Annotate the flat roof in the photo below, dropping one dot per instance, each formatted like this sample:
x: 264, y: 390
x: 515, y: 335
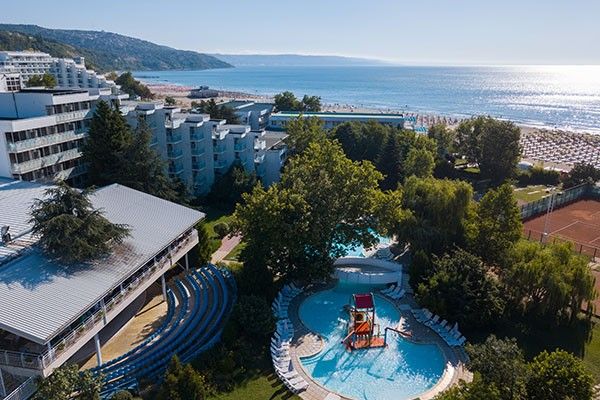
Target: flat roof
x: 346, y: 115
x: 40, y: 297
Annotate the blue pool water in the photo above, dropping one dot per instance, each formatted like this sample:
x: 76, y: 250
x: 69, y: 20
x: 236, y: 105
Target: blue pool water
x: 360, y: 251
x: 402, y: 370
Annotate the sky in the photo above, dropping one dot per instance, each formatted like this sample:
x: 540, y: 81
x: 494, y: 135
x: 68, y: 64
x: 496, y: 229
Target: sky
x: 425, y: 32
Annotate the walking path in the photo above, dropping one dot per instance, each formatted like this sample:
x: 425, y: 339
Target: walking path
x: 228, y: 243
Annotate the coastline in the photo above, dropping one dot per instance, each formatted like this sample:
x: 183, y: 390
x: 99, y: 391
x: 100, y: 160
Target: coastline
x: 547, y: 146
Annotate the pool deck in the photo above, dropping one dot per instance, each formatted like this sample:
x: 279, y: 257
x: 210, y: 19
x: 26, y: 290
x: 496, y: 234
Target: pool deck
x: 307, y: 343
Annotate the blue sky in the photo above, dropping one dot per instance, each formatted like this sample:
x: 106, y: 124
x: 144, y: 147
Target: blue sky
x: 416, y: 32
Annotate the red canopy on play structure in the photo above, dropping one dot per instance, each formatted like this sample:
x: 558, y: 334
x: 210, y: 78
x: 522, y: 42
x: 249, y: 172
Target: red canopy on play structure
x: 363, y: 300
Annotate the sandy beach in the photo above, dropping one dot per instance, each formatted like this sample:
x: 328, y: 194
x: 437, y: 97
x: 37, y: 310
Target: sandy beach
x: 551, y: 148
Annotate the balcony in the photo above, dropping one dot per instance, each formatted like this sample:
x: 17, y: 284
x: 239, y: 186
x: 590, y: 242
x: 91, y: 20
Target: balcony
x: 33, y: 143
x: 199, y: 165
x: 196, y: 137
x: 260, y: 144
x: 220, y: 164
x: 238, y: 147
x: 154, y: 140
x: 73, y: 115
x: 38, y: 163
x: 199, y: 181
x: 259, y: 158
x: 176, y: 169
x: 175, y: 138
x: 175, y: 153
x: 71, y: 172
x: 198, y: 151
x: 219, y: 148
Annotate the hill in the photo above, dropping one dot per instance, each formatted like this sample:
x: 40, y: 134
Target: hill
x: 106, y: 51
x: 295, y: 60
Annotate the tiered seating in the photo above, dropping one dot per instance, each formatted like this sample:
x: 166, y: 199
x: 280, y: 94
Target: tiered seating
x: 205, y: 297
x: 451, y: 336
x: 280, y: 342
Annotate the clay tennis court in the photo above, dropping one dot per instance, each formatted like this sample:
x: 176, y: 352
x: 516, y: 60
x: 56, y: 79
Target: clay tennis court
x: 578, y: 223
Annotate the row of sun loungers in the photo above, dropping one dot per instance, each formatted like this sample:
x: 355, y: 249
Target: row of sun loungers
x: 282, y: 337
x: 394, y: 292
x: 451, y: 335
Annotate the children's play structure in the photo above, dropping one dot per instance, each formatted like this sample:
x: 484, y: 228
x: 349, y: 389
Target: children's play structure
x: 363, y: 331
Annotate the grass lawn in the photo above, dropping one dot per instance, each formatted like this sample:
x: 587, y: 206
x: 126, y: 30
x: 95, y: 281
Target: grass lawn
x: 264, y: 386
x: 591, y: 355
x: 235, y: 253
x: 213, y: 217
x: 530, y: 193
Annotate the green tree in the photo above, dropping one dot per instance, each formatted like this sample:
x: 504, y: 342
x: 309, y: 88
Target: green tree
x: 302, y: 132
x: 419, y: 162
x: 47, y: 80
x: 287, y: 101
x: 229, y: 187
x: 182, y: 382
x: 558, y: 376
x: 108, y: 140
x: 389, y: 163
x: 70, y: 229
x: 549, y: 280
x: 444, y: 139
x: 491, y: 143
x: 499, y: 226
x: 65, y: 382
x: 217, y: 111
x: 460, y: 289
x: 361, y: 141
x: 581, y: 173
x: 475, y: 390
x: 145, y: 170
x: 122, y: 395
x: 254, y: 317
x: 323, y: 203
x: 500, y: 362
x: 133, y: 87
x: 441, y: 214
x: 311, y: 103
x: 170, y: 101
x: 202, y: 251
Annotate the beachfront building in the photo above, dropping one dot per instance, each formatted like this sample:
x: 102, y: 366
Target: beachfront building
x: 42, y: 132
x: 279, y: 121
x: 10, y: 80
x: 199, y: 149
x: 51, y: 311
x: 252, y: 113
x: 69, y: 72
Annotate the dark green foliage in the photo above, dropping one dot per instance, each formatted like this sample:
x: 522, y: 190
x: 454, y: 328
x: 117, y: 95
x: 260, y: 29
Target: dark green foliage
x: 492, y: 144
x: 444, y: 139
x: 581, y: 173
x: 420, y: 268
x: 133, y: 87
x: 228, y: 188
x: 499, y: 226
x: 538, y: 176
x: 500, y: 362
x: 287, y: 101
x: 46, y: 80
x: 461, y: 290
x: 170, y: 101
x: 108, y: 140
x: 221, y: 229
x: 389, y: 163
x: 105, y: 51
x: 254, y: 277
x: 558, y: 376
x: 183, y: 382
x: 362, y: 141
x: 122, y: 395
x: 302, y: 132
x: 70, y: 229
x: 216, y: 111
x: 254, y: 317
x: 419, y: 162
x: 475, y: 390
x: 202, y: 251
x: 65, y: 381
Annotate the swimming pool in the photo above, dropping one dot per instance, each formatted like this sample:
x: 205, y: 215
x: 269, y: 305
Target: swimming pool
x: 360, y: 251
x: 402, y: 370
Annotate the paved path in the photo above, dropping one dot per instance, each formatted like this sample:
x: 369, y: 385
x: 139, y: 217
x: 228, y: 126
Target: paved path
x: 227, y: 244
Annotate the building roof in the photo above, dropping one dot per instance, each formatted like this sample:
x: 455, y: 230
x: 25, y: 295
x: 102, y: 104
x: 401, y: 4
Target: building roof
x: 336, y: 115
x: 39, y: 297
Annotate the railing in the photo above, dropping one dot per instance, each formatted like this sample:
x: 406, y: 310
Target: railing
x: 175, y: 153
x: 197, y: 136
x: 240, y: 147
x: 31, y: 165
x: 72, y: 115
x: 42, y: 361
x: 219, y: 148
x: 220, y: 164
x: 198, y: 166
x: 154, y: 140
x: 71, y: 172
x: 55, y: 138
x: 174, y: 138
x: 24, y: 391
x: 198, y: 151
x: 176, y: 169
x: 259, y: 158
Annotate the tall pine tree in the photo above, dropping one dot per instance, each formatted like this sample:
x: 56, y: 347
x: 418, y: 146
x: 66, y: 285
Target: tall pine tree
x: 389, y: 162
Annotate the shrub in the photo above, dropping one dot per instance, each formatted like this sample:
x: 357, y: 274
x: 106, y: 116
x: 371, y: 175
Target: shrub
x: 122, y: 395
x: 254, y: 317
x: 221, y: 229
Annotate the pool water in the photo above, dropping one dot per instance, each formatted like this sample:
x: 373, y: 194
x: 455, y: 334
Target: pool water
x: 402, y: 370
x: 360, y: 251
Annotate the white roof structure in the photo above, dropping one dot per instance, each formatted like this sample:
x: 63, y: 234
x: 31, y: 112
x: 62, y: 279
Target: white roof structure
x: 39, y: 297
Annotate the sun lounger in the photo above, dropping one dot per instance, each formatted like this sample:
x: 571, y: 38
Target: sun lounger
x: 388, y: 290
x: 433, y: 321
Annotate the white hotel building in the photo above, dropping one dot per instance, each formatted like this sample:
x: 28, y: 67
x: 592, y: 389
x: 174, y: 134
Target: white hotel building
x: 69, y: 73
x: 42, y: 131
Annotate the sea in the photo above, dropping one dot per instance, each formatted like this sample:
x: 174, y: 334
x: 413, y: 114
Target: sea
x: 561, y: 97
